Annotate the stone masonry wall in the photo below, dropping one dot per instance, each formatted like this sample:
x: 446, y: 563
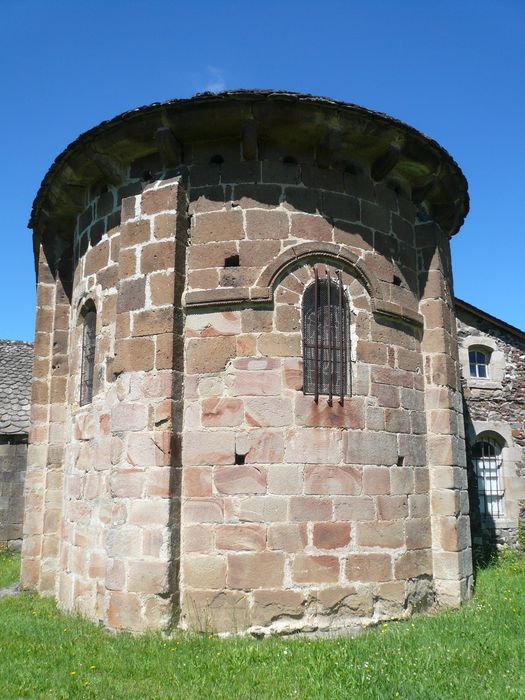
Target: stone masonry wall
x: 499, y: 408
x: 294, y: 515
x: 13, y: 459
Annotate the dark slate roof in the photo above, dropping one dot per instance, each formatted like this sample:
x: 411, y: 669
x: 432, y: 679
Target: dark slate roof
x: 16, y: 363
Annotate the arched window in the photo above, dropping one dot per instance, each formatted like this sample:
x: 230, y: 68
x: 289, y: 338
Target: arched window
x: 326, y: 338
x: 479, y: 360
x: 486, y: 454
x: 89, y: 329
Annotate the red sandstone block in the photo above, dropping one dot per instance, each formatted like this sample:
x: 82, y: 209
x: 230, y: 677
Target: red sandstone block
x: 203, y: 510
x: 256, y: 383
x: 392, y: 507
x: 241, y: 537
x: 124, y: 610
x: 369, y: 567
x: 265, y: 447
x: 154, y: 511
x: 203, y: 448
x: 197, y: 538
x: 197, y: 481
x: 376, y: 480
x: 315, y: 569
x: 413, y: 564
x: 239, y: 480
x: 163, y: 199
x: 222, y: 412
x: 157, y: 256
x: 387, y: 534
x: 210, y: 227
x: 331, y: 535
x: 204, y: 571
x: 309, y: 413
x: 266, y: 225
x: 213, y: 324
x: 129, y: 417
x: 310, y: 508
x: 418, y: 533
x: 311, y: 227
x: 313, y: 446
x: 158, y: 482
x: 264, y: 509
x: 323, y: 479
x: 261, y: 570
x: 289, y: 537
x: 268, y: 412
x: 147, y: 577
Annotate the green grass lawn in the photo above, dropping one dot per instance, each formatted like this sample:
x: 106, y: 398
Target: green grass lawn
x: 477, y: 652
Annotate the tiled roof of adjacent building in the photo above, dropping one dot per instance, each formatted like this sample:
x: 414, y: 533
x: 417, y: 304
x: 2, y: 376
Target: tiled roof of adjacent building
x: 16, y: 363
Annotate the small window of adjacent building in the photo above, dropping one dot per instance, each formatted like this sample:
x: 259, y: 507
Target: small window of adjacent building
x: 488, y: 462
x: 479, y: 363
x: 326, y: 340
x: 89, y: 329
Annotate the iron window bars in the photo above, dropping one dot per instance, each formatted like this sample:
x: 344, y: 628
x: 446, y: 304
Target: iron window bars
x: 325, y: 338
x: 88, y: 357
x: 488, y: 465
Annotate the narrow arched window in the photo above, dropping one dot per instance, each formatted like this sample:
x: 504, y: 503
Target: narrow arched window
x: 479, y: 360
x: 89, y: 328
x: 486, y: 454
x: 326, y: 338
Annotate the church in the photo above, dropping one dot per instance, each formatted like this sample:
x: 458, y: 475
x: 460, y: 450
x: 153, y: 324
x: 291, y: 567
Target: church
x: 256, y: 404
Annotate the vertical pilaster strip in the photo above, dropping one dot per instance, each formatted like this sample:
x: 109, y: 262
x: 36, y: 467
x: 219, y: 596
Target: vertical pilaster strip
x: 37, y: 456
x: 451, y: 546
x: 146, y: 422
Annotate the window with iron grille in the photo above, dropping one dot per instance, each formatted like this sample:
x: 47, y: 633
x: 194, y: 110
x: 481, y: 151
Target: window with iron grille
x: 326, y: 338
x: 479, y: 363
x: 488, y: 462
x: 89, y: 326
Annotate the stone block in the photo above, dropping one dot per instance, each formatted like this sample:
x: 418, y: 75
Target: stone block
x: 310, y: 508
x: 311, y: 414
x: 196, y: 482
x: 315, y: 569
x: 124, y: 611
x: 210, y: 227
x: 222, y: 412
x: 256, y: 383
x: 376, y: 480
x: 413, y: 564
x: 392, y: 507
x: 288, y: 537
x: 147, y: 577
x: 208, y: 448
x: 345, y: 601
x: 369, y: 567
x: 157, y: 256
x: 268, y: 412
x: 385, y: 534
x: 271, y: 605
x: 206, y: 355
x: 258, y: 570
x: 262, y: 509
x: 241, y: 537
x: 331, y: 535
x: 203, y: 510
x: 285, y: 479
x: 324, y: 479
x: 313, y: 446
x: 131, y: 295
x: 369, y: 448
x: 240, y: 480
x: 204, y: 571
x: 216, y: 612
x: 128, y: 417
x: 267, y: 225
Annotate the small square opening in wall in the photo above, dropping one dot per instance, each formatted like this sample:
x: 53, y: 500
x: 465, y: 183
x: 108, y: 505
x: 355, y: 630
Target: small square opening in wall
x: 400, y: 461
x: 231, y: 261
x: 239, y: 459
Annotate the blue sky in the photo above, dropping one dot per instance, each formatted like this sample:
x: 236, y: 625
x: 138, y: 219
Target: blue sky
x: 453, y: 69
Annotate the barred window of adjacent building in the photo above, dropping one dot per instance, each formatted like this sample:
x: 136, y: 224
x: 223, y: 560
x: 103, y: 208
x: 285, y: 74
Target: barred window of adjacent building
x: 488, y: 462
x: 89, y: 326
x: 326, y: 338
